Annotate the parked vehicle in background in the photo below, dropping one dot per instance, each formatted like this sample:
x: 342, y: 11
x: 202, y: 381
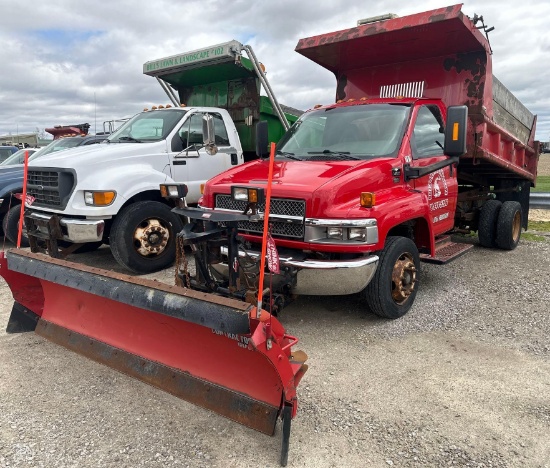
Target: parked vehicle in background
x: 6, y: 151
x: 367, y: 187
x: 64, y: 131
x: 11, y: 182
x: 19, y: 156
x: 110, y: 193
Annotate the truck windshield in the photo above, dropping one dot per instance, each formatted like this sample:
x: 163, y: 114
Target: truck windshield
x: 148, y: 126
x: 354, y: 132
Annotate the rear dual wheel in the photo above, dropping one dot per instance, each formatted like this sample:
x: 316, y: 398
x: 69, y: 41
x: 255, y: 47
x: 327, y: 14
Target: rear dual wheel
x: 487, y: 226
x: 500, y: 224
x: 509, y: 226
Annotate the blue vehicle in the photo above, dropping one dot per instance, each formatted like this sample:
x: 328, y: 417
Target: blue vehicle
x: 7, y: 151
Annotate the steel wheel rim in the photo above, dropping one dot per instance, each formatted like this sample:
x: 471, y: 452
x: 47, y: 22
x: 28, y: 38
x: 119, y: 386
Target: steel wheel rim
x: 403, y: 278
x: 151, y: 237
x: 516, y: 226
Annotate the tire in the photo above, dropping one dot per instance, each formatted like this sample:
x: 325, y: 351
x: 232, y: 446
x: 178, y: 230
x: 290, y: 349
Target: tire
x: 10, y: 226
x: 399, y: 265
x: 509, y: 225
x: 487, y: 227
x: 143, y: 236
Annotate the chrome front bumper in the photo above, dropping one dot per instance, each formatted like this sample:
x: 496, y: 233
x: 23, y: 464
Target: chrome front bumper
x: 77, y: 230
x: 327, y: 277
x: 333, y: 277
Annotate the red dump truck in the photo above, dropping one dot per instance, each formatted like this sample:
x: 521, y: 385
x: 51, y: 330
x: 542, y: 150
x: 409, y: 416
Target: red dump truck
x: 422, y: 141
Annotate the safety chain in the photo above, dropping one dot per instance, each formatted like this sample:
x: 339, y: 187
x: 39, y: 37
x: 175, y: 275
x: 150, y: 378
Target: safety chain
x: 182, y: 264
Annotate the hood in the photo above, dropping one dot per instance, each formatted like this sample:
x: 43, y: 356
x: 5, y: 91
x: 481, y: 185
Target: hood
x: 324, y: 185
x: 12, y: 169
x: 99, y: 155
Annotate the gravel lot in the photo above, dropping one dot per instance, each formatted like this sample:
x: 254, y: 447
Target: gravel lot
x: 463, y: 380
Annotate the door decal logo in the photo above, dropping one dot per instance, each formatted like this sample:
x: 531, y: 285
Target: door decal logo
x: 437, y: 185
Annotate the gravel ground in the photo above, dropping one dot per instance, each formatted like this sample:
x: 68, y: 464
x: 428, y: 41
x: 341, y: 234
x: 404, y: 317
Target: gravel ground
x: 462, y: 380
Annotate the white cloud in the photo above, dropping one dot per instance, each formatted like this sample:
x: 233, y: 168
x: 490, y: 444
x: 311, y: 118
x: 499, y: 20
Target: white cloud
x: 90, y: 68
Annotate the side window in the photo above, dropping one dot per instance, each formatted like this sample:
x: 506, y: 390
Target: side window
x: 220, y: 131
x: 191, y: 132
x: 428, y: 134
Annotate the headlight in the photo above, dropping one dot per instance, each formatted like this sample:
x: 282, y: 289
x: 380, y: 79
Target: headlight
x: 334, y: 232
x: 358, y: 234
x: 341, y: 231
x: 173, y: 190
x: 248, y: 194
x: 99, y: 198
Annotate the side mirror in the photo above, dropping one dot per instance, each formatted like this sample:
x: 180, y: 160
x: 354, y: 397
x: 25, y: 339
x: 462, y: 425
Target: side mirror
x: 262, y: 140
x: 209, y: 135
x: 455, y: 131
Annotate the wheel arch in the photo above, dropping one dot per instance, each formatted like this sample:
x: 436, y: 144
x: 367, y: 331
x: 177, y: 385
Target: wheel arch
x: 146, y: 195
x: 417, y: 229
x: 8, y: 193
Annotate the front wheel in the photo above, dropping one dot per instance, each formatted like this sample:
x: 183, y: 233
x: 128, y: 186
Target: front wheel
x: 143, y: 236
x: 392, y: 290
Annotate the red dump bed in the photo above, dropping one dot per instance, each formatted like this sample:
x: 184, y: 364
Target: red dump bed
x: 435, y: 54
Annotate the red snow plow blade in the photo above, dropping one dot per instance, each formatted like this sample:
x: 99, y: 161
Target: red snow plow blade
x: 206, y: 349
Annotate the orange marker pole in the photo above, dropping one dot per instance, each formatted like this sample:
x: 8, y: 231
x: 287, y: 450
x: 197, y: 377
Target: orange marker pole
x: 23, y: 199
x: 266, y: 227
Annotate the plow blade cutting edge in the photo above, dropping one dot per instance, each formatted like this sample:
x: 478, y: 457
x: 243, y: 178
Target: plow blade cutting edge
x: 208, y: 350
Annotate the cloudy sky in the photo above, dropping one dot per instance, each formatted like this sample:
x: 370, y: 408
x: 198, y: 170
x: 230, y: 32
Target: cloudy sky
x: 66, y: 62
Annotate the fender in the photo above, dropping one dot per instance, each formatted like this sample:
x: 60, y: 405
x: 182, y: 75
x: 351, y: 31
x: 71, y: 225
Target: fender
x: 409, y: 205
x: 16, y: 187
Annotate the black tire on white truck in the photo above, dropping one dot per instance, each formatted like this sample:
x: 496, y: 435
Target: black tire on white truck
x: 143, y: 236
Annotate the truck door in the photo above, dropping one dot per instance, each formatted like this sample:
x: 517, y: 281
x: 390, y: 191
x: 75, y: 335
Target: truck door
x: 191, y: 164
x: 440, y: 187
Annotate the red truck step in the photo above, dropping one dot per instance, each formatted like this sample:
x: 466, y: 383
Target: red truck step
x: 446, y: 250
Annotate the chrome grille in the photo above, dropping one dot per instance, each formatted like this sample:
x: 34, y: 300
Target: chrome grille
x: 279, y: 206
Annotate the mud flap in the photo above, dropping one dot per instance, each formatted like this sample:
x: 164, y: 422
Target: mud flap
x: 203, y: 348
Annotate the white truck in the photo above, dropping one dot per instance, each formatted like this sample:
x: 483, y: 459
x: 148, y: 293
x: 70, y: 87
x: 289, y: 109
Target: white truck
x: 109, y: 193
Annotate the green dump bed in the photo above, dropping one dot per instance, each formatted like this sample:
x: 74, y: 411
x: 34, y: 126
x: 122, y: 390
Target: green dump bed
x: 220, y: 76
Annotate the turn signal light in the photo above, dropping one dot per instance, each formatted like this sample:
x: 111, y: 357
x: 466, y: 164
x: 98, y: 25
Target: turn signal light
x: 99, y: 198
x: 368, y: 199
x: 455, y: 131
